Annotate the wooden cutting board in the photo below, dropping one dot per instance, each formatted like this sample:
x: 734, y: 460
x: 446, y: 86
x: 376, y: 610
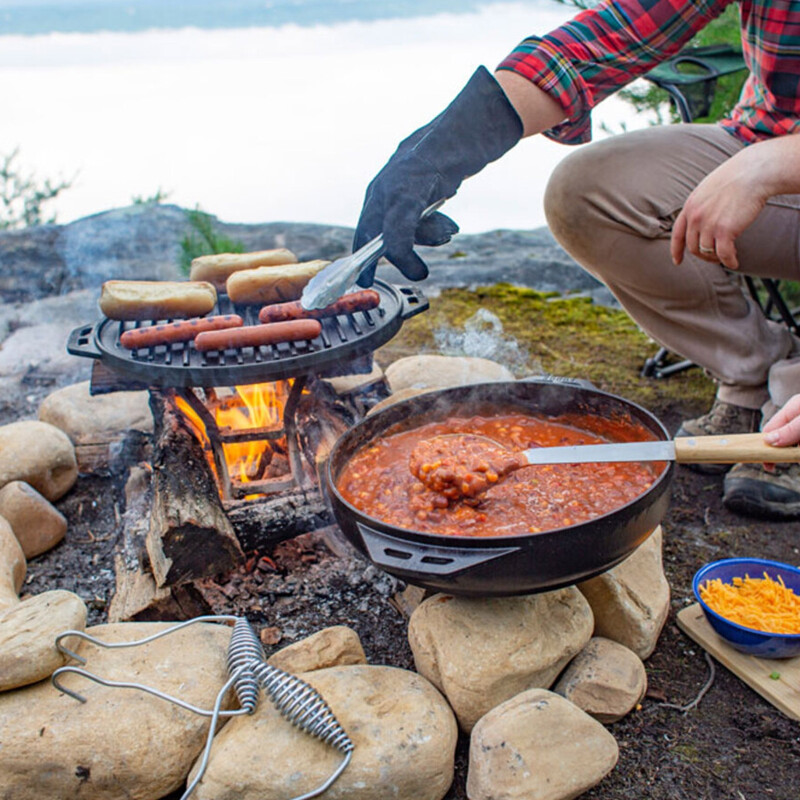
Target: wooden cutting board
x: 783, y: 693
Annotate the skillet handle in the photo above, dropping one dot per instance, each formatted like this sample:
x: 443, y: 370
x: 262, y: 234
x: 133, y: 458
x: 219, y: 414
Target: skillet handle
x: 731, y: 449
x: 403, y: 556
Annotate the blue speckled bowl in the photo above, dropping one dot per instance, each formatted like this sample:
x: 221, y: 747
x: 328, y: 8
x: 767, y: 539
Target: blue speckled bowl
x: 747, y: 640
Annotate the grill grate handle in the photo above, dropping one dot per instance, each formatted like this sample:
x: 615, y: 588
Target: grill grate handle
x: 413, y: 302
x: 81, y: 342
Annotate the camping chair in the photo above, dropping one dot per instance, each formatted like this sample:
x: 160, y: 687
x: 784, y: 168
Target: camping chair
x: 690, y: 80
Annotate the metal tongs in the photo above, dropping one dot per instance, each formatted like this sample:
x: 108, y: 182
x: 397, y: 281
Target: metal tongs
x: 339, y: 276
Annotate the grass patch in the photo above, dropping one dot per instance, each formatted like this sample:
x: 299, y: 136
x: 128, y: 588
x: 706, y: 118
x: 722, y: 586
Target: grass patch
x: 556, y: 335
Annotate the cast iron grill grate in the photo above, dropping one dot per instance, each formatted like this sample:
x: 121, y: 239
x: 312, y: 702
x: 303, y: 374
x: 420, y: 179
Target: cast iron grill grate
x: 343, y: 338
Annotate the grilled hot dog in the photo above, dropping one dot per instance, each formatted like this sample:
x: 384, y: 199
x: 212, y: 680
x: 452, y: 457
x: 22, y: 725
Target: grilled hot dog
x: 183, y: 331
x: 257, y: 335
x: 348, y: 304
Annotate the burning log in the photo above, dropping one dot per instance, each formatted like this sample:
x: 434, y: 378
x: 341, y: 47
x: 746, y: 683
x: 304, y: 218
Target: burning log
x: 322, y: 417
x: 263, y: 523
x: 190, y: 535
x: 137, y: 598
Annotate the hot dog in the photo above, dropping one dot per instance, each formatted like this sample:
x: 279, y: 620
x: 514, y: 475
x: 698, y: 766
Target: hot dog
x: 257, y: 335
x: 182, y: 331
x: 348, y: 304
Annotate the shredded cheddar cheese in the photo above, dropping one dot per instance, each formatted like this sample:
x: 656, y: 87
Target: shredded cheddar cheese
x: 762, y: 604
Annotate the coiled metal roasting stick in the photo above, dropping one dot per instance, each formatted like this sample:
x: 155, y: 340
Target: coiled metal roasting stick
x: 248, y: 673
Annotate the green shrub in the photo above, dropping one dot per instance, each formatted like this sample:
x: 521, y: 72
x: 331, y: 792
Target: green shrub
x: 204, y: 240
x: 159, y: 196
x: 22, y: 197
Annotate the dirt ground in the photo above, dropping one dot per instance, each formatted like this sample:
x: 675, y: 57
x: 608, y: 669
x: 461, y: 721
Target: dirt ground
x: 733, y: 744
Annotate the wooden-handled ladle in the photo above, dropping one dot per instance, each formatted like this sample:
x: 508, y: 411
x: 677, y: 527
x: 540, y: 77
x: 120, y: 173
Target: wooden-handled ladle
x: 460, y: 465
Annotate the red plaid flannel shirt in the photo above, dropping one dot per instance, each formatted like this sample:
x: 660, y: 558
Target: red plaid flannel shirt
x: 602, y: 49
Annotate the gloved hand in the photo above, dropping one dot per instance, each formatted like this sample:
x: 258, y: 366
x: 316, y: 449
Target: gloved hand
x: 479, y: 126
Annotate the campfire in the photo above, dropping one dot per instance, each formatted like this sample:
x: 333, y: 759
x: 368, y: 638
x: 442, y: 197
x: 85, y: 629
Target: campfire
x: 249, y: 436
x: 241, y: 438
x: 239, y: 435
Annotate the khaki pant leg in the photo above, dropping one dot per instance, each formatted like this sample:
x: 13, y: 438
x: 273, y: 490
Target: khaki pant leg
x: 612, y: 205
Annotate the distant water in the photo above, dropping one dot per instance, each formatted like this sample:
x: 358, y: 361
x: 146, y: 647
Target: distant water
x: 283, y: 121
x: 36, y: 17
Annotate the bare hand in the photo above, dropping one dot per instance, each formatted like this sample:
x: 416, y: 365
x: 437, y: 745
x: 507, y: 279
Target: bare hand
x: 784, y: 428
x: 719, y: 209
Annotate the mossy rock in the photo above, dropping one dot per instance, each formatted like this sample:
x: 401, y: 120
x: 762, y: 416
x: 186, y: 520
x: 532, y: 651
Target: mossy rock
x: 554, y: 335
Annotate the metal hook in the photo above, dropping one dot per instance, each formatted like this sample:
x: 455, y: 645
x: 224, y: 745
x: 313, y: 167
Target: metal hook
x: 54, y: 679
x: 201, y: 770
x: 248, y: 671
x: 135, y: 643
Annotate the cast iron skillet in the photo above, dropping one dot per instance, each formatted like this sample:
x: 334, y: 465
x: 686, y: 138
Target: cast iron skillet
x: 506, y: 565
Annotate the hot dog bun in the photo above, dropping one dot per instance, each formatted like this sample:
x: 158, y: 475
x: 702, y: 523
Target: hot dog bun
x: 156, y: 299
x: 265, y: 285
x: 218, y: 268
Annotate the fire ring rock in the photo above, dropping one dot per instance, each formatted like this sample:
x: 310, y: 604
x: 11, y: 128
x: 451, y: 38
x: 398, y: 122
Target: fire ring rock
x: 402, y: 729
x: 13, y: 566
x: 28, y: 632
x: 481, y: 651
x: 39, y: 454
x: 37, y: 524
x: 440, y: 372
x: 336, y: 646
x: 120, y: 742
x: 630, y: 602
x: 605, y: 679
x: 92, y: 418
x: 538, y: 745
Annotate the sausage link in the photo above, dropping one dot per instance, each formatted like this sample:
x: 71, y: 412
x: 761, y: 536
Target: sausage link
x: 256, y: 335
x: 183, y: 331
x: 363, y: 300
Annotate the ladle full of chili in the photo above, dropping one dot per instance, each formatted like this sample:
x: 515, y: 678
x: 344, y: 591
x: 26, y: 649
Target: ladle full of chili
x: 464, y: 465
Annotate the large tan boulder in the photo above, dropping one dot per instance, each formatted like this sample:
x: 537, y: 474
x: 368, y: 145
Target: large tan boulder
x: 606, y: 680
x: 440, y: 372
x: 120, y: 742
x: 28, y: 632
x: 538, y: 746
x: 403, y: 732
x: 39, y: 454
x: 396, y: 397
x: 630, y: 602
x: 347, y: 384
x: 89, y: 418
x: 38, y: 525
x: 336, y: 646
x: 13, y: 566
x: 481, y: 651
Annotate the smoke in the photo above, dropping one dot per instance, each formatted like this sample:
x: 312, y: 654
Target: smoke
x: 482, y: 337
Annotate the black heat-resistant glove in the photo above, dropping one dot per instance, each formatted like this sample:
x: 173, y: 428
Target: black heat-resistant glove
x: 479, y: 126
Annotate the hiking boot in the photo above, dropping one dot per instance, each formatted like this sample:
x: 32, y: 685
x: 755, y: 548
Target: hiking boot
x: 723, y: 418
x: 756, y: 492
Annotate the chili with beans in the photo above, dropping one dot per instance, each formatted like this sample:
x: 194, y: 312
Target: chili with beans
x: 461, y: 464
x: 378, y: 481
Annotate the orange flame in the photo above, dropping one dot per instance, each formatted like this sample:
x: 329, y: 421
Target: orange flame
x: 261, y: 407
x: 253, y: 406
